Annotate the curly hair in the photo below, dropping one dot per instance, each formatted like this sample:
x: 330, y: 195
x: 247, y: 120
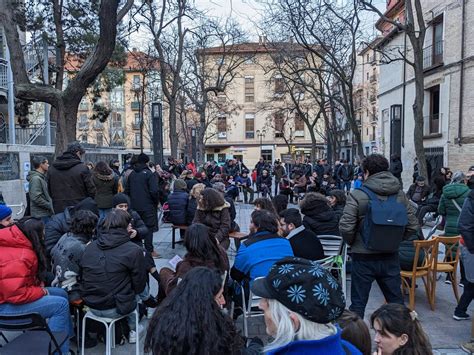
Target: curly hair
x: 266, y: 204
x: 211, y: 198
x: 33, y: 229
x: 374, y: 163
x: 339, y: 195
x: 280, y: 202
x: 189, y: 321
x: 196, y: 190
x: 84, y: 222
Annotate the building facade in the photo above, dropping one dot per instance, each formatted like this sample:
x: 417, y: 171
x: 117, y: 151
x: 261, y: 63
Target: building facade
x: 259, y: 119
x: 448, y: 132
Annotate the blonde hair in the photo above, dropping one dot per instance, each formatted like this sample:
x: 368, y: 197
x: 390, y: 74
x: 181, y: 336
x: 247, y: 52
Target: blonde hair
x: 286, y: 332
x: 196, y: 190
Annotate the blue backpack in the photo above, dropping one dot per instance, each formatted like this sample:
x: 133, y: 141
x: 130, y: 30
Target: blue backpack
x: 384, y: 223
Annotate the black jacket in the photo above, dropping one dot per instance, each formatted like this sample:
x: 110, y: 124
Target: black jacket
x: 58, y: 225
x: 69, y: 181
x: 190, y: 183
x: 178, y: 202
x: 142, y: 188
x: 191, y: 210
x: 306, y: 244
x: 466, y: 222
x: 396, y: 168
x: 267, y: 180
x: 345, y: 172
x: 113, y: 272
x: 139, y: 226
x: 324, y: 223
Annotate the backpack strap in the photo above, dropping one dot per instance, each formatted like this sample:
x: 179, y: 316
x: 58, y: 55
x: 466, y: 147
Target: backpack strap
x: 368, y: 192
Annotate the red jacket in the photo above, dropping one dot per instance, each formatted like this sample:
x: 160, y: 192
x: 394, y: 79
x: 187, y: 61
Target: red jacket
x: 18, y: 268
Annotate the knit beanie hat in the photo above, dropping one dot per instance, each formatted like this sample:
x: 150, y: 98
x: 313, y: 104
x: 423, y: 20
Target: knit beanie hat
x: 143, y: 158
x: 180, y: 184
x: 87, y: 204
x: 119, y: 199
x: 458, y: 177
x: 5, y: 211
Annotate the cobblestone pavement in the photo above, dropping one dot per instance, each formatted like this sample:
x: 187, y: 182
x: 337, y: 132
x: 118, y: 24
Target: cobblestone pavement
x: 444, y: 332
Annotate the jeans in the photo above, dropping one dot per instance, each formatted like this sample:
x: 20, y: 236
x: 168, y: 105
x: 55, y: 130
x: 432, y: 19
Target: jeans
x: 45, y: 220
x: 386, y: 271
x: 54, y: 307
x: 247, y: 190
x: 346, y: 185
x: 112, y: 313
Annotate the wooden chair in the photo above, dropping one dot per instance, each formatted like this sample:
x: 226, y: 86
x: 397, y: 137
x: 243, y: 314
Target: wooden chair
x: 449, y: 264
x: 426, y: 271
x: 173, y: 234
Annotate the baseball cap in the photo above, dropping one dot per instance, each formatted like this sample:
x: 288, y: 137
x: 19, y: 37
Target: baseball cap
x: 304, y: 287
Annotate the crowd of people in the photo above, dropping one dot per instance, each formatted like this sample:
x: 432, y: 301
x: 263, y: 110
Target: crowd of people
x: 88, y: 239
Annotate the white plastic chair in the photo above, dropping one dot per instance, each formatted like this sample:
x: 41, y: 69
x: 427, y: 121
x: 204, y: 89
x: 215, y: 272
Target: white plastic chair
x: 247, y: 308
x: 109, y: 324
x: 335, y: 251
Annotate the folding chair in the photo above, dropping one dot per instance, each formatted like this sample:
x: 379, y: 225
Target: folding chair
x: 247, y: 308
x: 37, y: 338
x: 335, y: 252
x: 426, y: 271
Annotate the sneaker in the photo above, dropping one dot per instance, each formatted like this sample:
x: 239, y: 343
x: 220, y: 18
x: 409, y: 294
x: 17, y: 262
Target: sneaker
x: 448, y: 282
x: 461, y: 316
x: 468, y: 347
x: 461, y: 284
x: 132, y: 336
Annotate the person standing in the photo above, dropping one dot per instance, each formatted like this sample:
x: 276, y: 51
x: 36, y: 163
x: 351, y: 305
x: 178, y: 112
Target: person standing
x: 396, y: 168
x: 345, y: 174
x: 106, y: 185
x: 260, y: 166
x: 278, y: 172
x: 369, y: 262
x: 69, y: 180
x: 142, y: 188
x: 41, y: 204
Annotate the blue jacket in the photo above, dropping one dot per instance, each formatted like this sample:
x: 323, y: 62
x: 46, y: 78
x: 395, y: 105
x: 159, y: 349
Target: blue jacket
x: 332, y: 345
x: 178, y: 203
x: 243, y: 181
x: 466, y: 222
x: 257, y: 255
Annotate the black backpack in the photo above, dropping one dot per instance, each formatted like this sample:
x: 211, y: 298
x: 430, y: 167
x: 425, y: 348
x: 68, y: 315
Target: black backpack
x: 384, y: 223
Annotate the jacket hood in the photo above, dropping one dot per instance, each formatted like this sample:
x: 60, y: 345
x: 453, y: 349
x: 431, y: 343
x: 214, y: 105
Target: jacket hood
x: 103, y: 177
x: 455, y: 190
x: 383, y: 183
x: 312, y: 205
x: 13, y: 237
x: 139, y: 167
x: 322, y: 217
x: 66, y: 161
x: 112, y: 238
x: 218, y: 208
x: 34, y: 173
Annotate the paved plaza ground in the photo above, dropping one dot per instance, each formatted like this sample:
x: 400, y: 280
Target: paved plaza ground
x: 445, y: 333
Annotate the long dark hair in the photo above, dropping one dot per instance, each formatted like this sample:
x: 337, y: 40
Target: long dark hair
x: 116, y: 218
x: 355, y: 331
x: 189, y: 321
x: 397, y: 319
x: 201, y: 246
x: 265, y: 204
x: 33, y: 229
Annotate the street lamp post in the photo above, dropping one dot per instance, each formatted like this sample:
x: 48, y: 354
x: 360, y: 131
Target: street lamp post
x: 261, y: 134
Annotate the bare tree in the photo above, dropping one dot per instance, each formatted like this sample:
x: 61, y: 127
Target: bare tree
x: 415, y: 29
x: 65, y: 101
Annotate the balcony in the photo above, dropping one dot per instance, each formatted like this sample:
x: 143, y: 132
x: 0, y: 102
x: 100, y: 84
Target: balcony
x: 98, y: 126
x: 373, y: 59
x: 135, y: 105
x: 117, y: 144
x: 372, y: 137
x: 222, y: 135
x: 135, y: 126
x: 373, y: 98
x: 432, y: 127
x: 433, y: 55
x: 374, y: 118
x: 84, y: 106
x: 34, y: 134
x: 83, y: 126
x: 373, y: 78
x: 3, y: 74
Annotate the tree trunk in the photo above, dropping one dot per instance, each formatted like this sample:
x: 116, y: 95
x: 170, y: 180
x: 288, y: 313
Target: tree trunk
x: 201, y: 133
x: 66, y: 125
x: 418, y: 117
x: 173, y: 132
x: 313, y: 145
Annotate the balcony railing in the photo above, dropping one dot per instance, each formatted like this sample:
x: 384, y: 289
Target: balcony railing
x: 432, y: 125
x: 373, y: 78
x: 3, y: 74
x: 374, y: 118
x: 433, y: 55
x: 135, y: 105
x: 135, y: 126
x: 98, y: 126
x: 34, y: 134
x: 372, y: 137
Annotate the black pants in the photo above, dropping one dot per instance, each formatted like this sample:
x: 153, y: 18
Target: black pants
x: 150, y: 218
x: 466, y: 298
x: 423, y: 210
x: 246, y: 191
x: 365, y: 270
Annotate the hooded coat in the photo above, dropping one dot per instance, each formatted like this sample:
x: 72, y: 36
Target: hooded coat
x: 452, y: 192
x: 217, y: 218
x: 383, y: 184
x: 41, y: 204
x: 319, y: 217
x: 106, y: 187
x: 69, y: 181
x: 113, y: 272
x: 19, y: 267
x: 466, y: 222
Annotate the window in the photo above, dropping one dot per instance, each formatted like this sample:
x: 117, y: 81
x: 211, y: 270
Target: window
x: 438, y: 41
x: 279, y: 86
x: 136, y: 82
x: 249, y: 89
x: 279, y: 124
x: 367, y: 150
x: 83, y: 124
x: 116, y: 120
x: 209, y: 157
x: 249, y: 126
x: 99, y: 139
x: 221, y: 158
x: 299, y: 92
x: 433, y: 120
x: 84, y: 105
x: 299, y: 125
x: 367, y: 75
x: 221, y: 127
x: 137, y: 140
x: 84, y: 138
x: 116, y: 98
x: 221, y: 99
x: 368, y: 58
x: 220, y: 61
x: 136, y: 119
x: 249, y: 60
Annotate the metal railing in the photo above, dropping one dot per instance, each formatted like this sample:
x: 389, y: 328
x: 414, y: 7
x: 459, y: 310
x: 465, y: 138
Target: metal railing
x: 433, y: 55
x: 135, y: 105
x: 135, y: 126
x: 34, y: 134
x: 432, y: 125
x: 3, y: 74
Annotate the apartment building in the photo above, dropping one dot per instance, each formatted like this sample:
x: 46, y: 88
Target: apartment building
x: 448, y: 53
x: 258, y: 117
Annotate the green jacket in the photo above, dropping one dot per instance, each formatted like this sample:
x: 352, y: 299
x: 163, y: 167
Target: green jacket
x: 41, y: 204
x: 447, y: 208
x: 382, y: 184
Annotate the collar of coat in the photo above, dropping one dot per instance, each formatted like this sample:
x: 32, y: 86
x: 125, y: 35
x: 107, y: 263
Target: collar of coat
x: 218, y: 208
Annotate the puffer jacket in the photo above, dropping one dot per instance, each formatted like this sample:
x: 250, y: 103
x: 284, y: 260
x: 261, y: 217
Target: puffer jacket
x: 383, y: 184
x: 106, y: 188
x: 466, y: 222
x: 69, y: 181
x: 178, y: 203
x: 191, y: 210
x: 113, y: 272
x: 322, y: 222
x: 18, y: 268
x: 58, y: 225
x: 41, y: 204
x: 142, y: 188
x: 219, y: 222
x: 447, y: 208
x: 407, y: 251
